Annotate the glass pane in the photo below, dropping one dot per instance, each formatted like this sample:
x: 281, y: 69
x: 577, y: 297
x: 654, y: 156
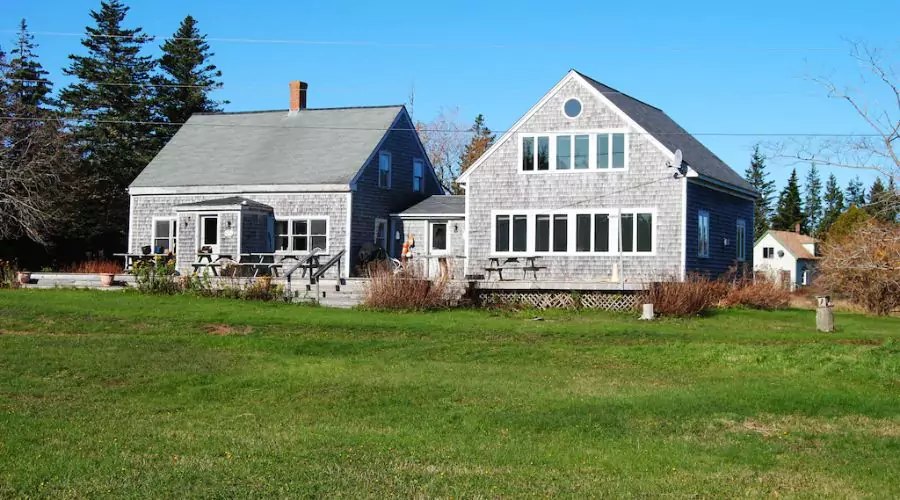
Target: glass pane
x: 300, y: 244
x: 560, y: 233
x: 282, y: 243
x: 439, y: 236
x: 281, y: 227
x: 563, y: 152
x: 645, y: 232
x: 582, y: 147
x: 572, y: 108
x: 543, y: 161
x: 161, y: 245
x: 301, y: 227
x: 502, y: 229
x: 520, y: 233
x: 583, y: 233
x: 618, y: 141
x: 319, y: 242
x: 162, y: 229
x: 542, y: 233
x: 384, y: 162
x: 174, y: 228
x: 602, y: 151
x: 318, y: 226
x: 626, y: 230
x: 210, y: 231
x: 528, y: 153
x: 601, y: 233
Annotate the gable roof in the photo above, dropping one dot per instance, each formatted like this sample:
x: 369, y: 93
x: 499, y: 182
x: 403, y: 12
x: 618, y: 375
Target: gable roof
x: 311, y: 146
x: 231, y: 202
x: 793, y: 243
x: 658, y: 124
x: 438, y: 205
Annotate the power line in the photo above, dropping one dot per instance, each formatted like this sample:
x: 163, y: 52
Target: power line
x: 381, y: 129
x: 427, y: 45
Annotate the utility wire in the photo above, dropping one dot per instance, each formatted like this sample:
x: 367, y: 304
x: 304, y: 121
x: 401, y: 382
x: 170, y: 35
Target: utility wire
x: 381, y: 129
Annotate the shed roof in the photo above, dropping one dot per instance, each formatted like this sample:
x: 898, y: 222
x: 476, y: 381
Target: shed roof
x: 231, y: 202
x: 437, y: 205
x: 311, y: 146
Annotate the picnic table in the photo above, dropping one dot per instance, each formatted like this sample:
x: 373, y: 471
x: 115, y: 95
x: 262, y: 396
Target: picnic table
x: 213, y: 264
x: 132, y: 258
x: 524, y: 263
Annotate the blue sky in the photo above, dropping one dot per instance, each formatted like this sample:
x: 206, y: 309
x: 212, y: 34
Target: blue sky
x: 713, y: 66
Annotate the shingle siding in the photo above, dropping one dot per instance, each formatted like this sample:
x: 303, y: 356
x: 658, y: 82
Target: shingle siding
x: 371, y: 202
x: 498, y: 185
x: 724, y: 212
x: 420, y: 229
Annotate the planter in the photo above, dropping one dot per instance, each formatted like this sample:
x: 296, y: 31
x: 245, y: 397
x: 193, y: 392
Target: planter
x: 24, y: 277
x: 107, y: 279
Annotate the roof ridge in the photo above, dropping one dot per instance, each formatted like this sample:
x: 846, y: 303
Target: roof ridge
x: 262, y: 111
x: 598, y: 82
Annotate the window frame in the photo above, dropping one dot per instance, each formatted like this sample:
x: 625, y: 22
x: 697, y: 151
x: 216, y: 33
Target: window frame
x: 592, y: 135
x: 309, y: 219
x: 771, y: 254
x: 580, y: 108
x: 420, y: 177
x: 440, y: 251
x: 201, y: 231
x: 384, y: 233
x: 701, y: 215
x: 613, y: 231
x: 740, y: 240
x: 390, y: 165
x: 173, y: 238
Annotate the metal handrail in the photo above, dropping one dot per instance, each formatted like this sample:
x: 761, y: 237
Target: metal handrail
x: 314, y: 277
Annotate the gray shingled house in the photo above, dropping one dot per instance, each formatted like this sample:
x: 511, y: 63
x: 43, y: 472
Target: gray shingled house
x: 587, y: 187
x: 286, y: 181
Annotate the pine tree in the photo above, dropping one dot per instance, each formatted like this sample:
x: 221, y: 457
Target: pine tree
x: 834, y: 205
x: 110, y: 122
x: 892, y: 201
x: 28, y: 93
x: 878, y: 206
x: 813, y: 199
x: 757, y: 176
x: 856, y: 193
x: 188, y: 77
x: 790, y: 207
x: 482, y: 139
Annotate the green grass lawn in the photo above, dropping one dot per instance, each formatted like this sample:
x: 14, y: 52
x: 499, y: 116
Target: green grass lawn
x: 121, y: 395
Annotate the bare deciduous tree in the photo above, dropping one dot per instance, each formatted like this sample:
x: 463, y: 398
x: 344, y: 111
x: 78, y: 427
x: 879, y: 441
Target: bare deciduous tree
x: 444, y: 140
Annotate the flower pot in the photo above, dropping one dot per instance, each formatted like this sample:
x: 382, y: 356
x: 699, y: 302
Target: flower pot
x: 107, y: 279
x: 24, y: 277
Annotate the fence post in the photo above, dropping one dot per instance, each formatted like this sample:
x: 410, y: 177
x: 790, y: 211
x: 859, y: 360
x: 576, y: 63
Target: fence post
x: 647, y: 313
x: 824, y: 314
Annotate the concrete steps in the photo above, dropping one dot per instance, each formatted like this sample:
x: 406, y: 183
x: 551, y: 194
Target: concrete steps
x: 72, y: 280
x: 343, y: 293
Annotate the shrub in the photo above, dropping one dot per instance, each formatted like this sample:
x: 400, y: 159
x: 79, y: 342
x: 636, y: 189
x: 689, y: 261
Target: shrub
x: 8, y: 272
x: 864, y: 266
x: 762, y: 294
x: 96, y: 266
x: 157, y: 276
x: 404, y: 290
x: 691, y: 297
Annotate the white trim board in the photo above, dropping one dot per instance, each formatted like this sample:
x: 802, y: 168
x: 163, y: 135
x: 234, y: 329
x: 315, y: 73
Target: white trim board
x: 244, y: 189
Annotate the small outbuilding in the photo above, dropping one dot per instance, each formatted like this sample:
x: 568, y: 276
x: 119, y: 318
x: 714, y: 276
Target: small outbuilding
x: 786, y: 257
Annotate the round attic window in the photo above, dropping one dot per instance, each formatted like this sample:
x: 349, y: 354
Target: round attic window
x: 572, y: 108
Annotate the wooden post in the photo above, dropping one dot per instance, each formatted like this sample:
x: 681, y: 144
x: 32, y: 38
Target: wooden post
x: 824, y: 314
x: 647, y: 313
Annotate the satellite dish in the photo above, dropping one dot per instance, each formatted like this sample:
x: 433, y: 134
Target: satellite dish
x: 678, y: 158
x: 781, y: 253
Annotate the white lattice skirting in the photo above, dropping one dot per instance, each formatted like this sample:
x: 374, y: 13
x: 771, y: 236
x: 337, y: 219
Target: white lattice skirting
x: 548, y: 299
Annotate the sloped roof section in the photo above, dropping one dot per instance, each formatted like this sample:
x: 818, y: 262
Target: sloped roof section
x: 794, y: 242
x: 438, y: 205
x: 232, y: 202
x: 312, y: 146
x: 665, y: 130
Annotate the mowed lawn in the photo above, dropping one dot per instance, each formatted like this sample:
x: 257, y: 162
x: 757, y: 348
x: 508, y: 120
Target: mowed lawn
x: 106, y: 394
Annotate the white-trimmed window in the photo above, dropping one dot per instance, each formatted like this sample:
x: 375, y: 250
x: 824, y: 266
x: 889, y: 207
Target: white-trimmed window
x: 703, y: 234
x: 740, y: 240
x: 384, y: 170
x: 418, y: 175
x: 438, y: 237
x: 768, y: 252
x: 581, y: 151
x: 380, y: 237
x: 511, y: 233
x: 165, y: 235
x: 301, y: 234
x: 636, y: 232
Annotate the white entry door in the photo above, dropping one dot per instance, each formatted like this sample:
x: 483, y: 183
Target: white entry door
x: 209, y: 233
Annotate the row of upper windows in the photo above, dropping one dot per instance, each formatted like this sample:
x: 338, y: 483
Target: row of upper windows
x: 385, y: 165
x: 569, y: 152
x: 703, y: 241
x: 599, y: 232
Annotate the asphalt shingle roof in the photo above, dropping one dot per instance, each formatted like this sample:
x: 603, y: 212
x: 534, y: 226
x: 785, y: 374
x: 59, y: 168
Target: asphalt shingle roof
x: 438, y: 205
x: 312, y: 146
x: 231, y: 201
x: 656, y: 122
x: 794, y: 242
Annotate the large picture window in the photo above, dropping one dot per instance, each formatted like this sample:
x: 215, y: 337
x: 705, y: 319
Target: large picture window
x: 703, y: 234
x: 301, y: 235
x: 165, y: 235
x: 511, y: 233
x: 605, y: 151
x: 575, y: 232
x: 636, y: 232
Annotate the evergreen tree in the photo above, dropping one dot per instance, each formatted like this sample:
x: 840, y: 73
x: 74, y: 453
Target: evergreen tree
x: 757, y: 176
x: 28, y: 93
x: 110, y: 123
x: 834, y: 205
x: 856, y: 193
x: 790, y: 207
x: 188, y: 77
x: 482, y: 139
x: 879, y: 201
x: 892, y: 200
x: 813, y: 199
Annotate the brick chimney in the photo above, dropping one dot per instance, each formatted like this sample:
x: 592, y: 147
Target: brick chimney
x: 298, y: 95
x: 797, y: 228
